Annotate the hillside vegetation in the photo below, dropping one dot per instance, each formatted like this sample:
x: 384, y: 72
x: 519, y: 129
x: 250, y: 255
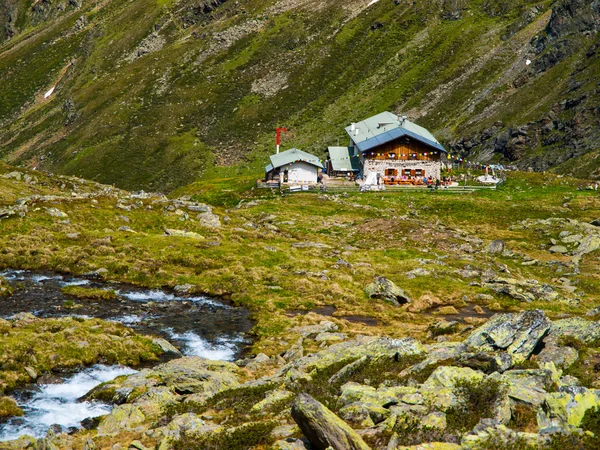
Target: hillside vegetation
x: 157, y: 93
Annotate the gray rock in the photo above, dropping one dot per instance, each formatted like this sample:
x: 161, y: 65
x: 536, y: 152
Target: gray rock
x: 183, y: 288
x: 586, y: 331
x: 518, y: 334
x: 323, y: 428
x: 325, y: 326
x: 209, y: 220
x: 54, y: 212
x: 289, y: 444
x: 571, y: 239
x: 496, y: 247
x: 181, y: 233
x: 330, y: 337
x: 523, y: 290
x: 418, y: 272
x: 561, y: 356
x: 384, y: 289
x: 166, y: 346
x: 558, y: 249
x: 202, y: 208
x: 588, y: 244
x: 296, y: 351
x: 593, y: 312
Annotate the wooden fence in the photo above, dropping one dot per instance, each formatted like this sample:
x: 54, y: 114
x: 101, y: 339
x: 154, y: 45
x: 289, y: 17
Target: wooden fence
x: 461, y: 188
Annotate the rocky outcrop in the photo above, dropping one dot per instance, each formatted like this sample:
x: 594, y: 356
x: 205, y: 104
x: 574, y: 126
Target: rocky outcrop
x: 565, y: 409
x: 323, y: 428
x: 523, y: 290
x: 517, y: 334
x: 369, y: 398
x: 187, y: 375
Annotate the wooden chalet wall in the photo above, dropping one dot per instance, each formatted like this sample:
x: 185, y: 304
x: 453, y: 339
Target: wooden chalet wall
x: 403, y: 149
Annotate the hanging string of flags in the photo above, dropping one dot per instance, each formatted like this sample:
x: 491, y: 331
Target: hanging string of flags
x: 456, y: 158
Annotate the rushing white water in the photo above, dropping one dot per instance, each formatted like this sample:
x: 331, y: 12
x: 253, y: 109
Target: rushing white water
x: 12, y: 274
x: 160, y: 296
x: 75, y: 282
x: 40, y: 278
x: 129, y: 319
x: 195, y: 345
x: 57, y: 403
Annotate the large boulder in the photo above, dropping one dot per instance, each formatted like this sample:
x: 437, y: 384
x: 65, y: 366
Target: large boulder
x: 323, y: 428
x: 384, y: 289
x: 528, y: 386
x: 209, y: 220
x: 187, y: 375
x: 588, y: 244
x: 448, y: 376
x: 122, y: 418
x: 353, y: 350
x: 579, y: 328
x: 518, y: 334
x: 523, y: 290
x: 566, y: 409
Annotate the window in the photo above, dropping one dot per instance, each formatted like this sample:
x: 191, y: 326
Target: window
x: 391, y: 172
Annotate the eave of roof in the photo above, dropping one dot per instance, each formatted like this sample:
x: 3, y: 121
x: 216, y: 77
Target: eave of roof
x: 385, y: 127
x: 391, y: 135
x: 291, y: 156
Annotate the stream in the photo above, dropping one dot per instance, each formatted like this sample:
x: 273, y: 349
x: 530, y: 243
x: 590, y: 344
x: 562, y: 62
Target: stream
x: 197, y: 325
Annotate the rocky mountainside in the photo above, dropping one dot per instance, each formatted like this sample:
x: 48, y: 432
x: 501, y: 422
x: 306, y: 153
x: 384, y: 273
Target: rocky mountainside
x: 154, y: 93
x: 494, y: 390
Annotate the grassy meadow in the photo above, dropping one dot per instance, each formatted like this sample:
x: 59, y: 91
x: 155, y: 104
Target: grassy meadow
x: 282, y: 256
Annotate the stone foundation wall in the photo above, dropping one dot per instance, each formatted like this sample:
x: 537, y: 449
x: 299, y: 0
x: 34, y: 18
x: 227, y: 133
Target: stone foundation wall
x: 431, y: 168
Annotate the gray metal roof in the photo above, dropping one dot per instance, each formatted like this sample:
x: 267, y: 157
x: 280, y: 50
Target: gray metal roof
x: 291, y: 156
x: 386, y: 127
x: 342, y: 159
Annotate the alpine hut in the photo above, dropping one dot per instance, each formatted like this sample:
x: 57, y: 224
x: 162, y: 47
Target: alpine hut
x: 393, y: 148
x: 293, y: 166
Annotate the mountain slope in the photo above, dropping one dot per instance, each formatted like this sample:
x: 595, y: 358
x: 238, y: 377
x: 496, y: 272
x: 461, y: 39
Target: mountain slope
x: 156, y: 93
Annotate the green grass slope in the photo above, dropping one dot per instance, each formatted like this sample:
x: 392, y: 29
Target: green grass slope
x: 155, y: 94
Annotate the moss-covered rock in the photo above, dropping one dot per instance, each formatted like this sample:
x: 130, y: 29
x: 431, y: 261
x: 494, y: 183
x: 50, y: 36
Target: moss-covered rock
x: 566, y: 409
x: 5, y: 289
x: 448, y: 376
x: 121, y: 419
x: 9, y: 408
x: 187, y: 375
x: 355, y: 349
x: 582, y: 329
